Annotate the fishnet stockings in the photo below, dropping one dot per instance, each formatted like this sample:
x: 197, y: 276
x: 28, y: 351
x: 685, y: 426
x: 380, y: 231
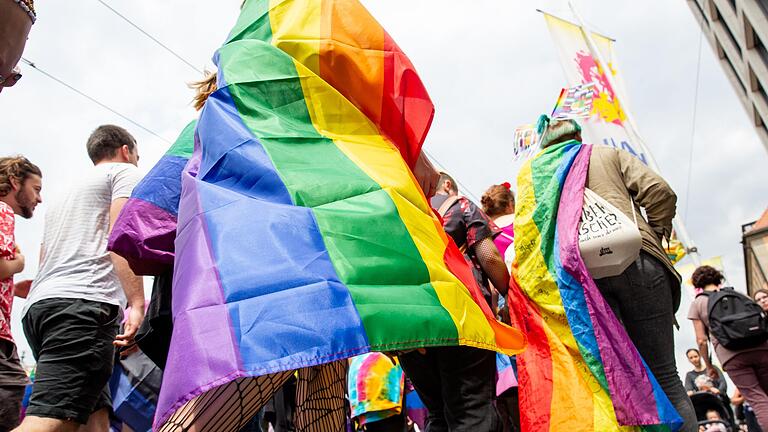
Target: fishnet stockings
x: 226, y: 408
x: 321, y: 398
x: 320, y: 402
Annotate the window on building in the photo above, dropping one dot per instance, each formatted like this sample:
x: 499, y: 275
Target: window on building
x: 763, y: 5
x: 761, y: 91
x: 757, y: 119
x: 749, y: 34
x: 728, y: 31
x: 735, y: 73
x: 699, y: 9
x: 714, y: 14
x: 719, y: 49
x: 761, y: 49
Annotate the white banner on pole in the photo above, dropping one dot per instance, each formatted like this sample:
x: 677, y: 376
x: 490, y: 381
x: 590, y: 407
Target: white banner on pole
x: 608, y: 122
x: 589, y: 57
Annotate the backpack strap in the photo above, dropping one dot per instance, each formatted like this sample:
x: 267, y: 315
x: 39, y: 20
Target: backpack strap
x: 447, y: 204
x: 444, y: 207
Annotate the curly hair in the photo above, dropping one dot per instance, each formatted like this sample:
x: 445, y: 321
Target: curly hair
x: 203, y: 88
x: 18, y: 168
x: 497, y: 199
x: 706, y: 275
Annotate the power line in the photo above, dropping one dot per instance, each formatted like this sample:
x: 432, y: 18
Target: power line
x: 33, y: 65
x: 136, y: 26
x: 106, y: 107
x: 154, y: 39
x: 693, y: 131
x: 178, y: 56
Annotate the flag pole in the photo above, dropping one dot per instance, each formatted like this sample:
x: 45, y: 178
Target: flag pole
x: 682, y: 232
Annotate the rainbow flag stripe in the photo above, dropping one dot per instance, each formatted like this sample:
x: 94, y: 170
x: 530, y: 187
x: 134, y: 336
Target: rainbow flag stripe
x: 145, y: 231
x: 581, y: 370
x: 303, y: 237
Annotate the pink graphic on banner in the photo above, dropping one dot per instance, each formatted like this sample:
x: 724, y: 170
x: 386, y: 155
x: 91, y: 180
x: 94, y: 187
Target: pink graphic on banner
x: 605, y: 103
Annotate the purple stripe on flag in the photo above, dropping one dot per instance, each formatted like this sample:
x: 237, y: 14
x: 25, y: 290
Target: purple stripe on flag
x: 144, y: 235
x: 623, y: 370
x: 202, y: 354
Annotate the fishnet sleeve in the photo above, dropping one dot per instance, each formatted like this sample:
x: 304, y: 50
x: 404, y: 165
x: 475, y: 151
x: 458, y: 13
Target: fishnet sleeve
x: 493, y: 265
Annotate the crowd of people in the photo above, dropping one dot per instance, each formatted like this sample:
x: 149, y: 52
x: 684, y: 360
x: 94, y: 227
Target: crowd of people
x: 86, y: 303
x: 746, y: 366
x: 75, y: 304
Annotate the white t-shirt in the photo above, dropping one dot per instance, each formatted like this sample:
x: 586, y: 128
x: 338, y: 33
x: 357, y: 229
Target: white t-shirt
x: 75, y: 261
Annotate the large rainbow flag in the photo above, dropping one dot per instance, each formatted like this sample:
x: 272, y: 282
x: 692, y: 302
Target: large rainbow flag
x: 581, y: 371
x: 145, y: 231
x: 302, y: 235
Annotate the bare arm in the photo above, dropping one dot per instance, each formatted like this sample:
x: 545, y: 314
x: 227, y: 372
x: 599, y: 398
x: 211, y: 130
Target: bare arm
x: 703, y: 342
x: 10, y: 267
x: 133, y: 285
x: 21, y: 289
x: 426, y: 175
x: 737, y: 398
x: 722, y: 385
x: 493, y: 265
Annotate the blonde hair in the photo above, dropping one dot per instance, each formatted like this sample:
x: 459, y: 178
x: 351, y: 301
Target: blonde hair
x: 18, y: 168
x: 203, y: 88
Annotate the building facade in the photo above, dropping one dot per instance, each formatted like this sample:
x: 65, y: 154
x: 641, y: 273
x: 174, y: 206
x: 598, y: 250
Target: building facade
x: 755, y: 243
x: 738, y: 32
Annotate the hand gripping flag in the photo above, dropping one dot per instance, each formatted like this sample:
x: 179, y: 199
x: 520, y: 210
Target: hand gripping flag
x: 303, y: 237
x: 581, y: 371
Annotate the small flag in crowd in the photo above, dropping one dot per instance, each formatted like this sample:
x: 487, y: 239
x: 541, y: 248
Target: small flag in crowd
x: 675, y: 249
x: 525, y: 141
x: 574, y: 102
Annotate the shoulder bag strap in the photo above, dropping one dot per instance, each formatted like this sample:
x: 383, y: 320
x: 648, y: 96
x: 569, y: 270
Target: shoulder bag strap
x: 451, y: 200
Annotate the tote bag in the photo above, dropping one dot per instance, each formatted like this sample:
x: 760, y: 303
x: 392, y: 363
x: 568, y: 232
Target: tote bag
x: 609, y: 241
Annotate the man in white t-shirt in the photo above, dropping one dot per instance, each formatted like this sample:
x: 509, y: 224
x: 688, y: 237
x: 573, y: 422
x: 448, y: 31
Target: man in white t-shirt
x: 73, y: 309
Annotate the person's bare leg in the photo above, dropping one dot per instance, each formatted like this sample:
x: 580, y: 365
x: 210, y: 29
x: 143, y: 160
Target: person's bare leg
x: 97, y: 422
x: 44, y: 424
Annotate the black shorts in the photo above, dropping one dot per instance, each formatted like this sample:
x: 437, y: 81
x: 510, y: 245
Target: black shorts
x: 71, y: 340
x: 13, y: 381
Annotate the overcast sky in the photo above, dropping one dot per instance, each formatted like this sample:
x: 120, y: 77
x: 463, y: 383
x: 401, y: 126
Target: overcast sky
x: 489, y: 66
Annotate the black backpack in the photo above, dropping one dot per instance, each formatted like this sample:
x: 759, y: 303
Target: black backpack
x: 735, y: 320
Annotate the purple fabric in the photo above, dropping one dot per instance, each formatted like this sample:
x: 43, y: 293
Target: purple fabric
x: 631, y: 389
x: 144, y: 235
x: 202, y: 354
x: 505, y: 239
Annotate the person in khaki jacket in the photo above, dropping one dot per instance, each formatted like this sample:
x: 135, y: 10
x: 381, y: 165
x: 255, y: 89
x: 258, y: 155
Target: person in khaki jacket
x: 646, y: 295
